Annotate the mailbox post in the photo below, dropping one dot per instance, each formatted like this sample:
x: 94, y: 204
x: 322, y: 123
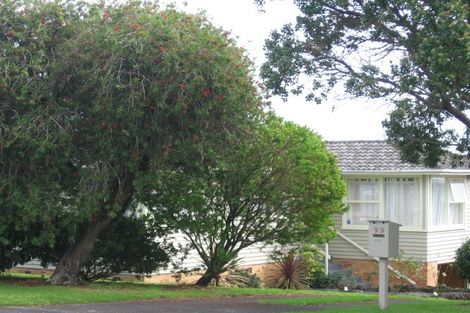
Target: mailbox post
x: 383, y: 243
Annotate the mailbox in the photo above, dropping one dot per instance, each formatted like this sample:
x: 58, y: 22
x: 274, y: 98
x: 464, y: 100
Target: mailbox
x: 383, y: 239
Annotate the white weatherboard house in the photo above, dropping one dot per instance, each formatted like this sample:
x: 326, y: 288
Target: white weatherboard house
x: 431, y: 204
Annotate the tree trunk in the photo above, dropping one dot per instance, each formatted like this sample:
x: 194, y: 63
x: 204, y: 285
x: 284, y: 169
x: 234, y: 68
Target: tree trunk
x: 207, y: 277
x: 213, y: 272
x: 70, y: 264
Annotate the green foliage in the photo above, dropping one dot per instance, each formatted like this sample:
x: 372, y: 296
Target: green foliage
x: 413, y: 53
x: 313, y: 259
x: 129, y: 245
x: 322, y: 280
x: 96, y: 101
x: 462, y: 259
x: 277, y: 184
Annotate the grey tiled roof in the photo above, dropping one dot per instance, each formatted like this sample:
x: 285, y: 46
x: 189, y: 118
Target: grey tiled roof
x: 376, y: 155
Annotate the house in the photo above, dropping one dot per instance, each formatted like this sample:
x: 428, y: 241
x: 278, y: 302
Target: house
x: 431, y: 204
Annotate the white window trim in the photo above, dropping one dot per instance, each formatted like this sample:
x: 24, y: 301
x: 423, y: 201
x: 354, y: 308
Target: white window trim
x: 381, y: 182
x: 448, y: 226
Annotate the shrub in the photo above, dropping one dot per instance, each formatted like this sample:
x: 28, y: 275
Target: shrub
x: 289, y: 272
x: 322, y: 280
x: 456, y: 295
x: 462, y: 259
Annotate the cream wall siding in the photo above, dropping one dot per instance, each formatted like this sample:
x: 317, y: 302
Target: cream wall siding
x: 256, y: 254
x: 429, y: 245
x: 443, y: 244
x: 413, y: 244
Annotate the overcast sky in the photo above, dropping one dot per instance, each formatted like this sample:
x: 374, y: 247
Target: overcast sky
x: 336, y: 119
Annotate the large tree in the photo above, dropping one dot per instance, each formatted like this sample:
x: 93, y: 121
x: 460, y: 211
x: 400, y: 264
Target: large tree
x: 279, y: 185
x: 95, y: 100
x: 413, y: 53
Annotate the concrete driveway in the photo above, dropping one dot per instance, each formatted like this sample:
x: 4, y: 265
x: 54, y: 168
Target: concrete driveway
x: 219, y: 305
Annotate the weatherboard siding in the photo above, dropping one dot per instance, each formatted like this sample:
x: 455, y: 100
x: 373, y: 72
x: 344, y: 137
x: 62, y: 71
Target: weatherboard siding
x: 253, y: 255
x: 429, y: 245
x: 442, y: 244
x: 412, y: 244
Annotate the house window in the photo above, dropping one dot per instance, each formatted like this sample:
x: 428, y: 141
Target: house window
x: 402, y: 204
x: 448, y: 201
x: 392, y: 198
x: 363, y: 200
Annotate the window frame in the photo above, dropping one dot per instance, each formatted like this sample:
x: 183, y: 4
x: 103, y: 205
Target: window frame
x: 345, y: 215
x: 447, y: 183
x: 381, y: 201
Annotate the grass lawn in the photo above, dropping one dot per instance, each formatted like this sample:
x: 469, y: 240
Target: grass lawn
x: 18, y: 291
x: 22, y: 290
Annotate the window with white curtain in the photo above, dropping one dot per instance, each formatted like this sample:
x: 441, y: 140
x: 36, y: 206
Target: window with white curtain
x: 402, y: 204
x: 448, y: 201
x: 363, y: 200
x: 439, y: 216
x: 393, y: 198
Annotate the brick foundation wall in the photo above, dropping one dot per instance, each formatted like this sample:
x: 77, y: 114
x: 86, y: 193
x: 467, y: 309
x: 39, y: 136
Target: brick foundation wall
x: 261, y: 270
x: 424, y: 274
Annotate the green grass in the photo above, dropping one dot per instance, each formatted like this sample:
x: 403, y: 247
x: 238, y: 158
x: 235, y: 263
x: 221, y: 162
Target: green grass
x: 442, y: 306
x: 21, y: 290
x: 26, y: 292
x: 327, y: 297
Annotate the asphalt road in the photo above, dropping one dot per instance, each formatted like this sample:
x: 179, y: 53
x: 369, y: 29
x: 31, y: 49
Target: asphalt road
x: 219, y: 305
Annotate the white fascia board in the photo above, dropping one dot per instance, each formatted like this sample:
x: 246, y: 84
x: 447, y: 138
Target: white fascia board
x: 455, y: 172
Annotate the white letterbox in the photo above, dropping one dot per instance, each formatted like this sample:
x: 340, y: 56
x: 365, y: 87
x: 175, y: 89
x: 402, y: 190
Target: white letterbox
x: 383, y: 239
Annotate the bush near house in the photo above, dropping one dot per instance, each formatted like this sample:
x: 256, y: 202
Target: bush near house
x: 462, y: 259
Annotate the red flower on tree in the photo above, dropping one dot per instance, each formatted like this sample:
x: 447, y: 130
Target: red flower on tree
x: 162, y: 50
x: 11, y: 33
x: 219, y: 98
x: 206, y: 91
x: 117, y: 28
x: 106, y: 16
x: 135, y: 26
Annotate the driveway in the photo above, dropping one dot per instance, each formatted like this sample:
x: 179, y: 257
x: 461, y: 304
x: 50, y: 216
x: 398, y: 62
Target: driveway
x: 219, y: 305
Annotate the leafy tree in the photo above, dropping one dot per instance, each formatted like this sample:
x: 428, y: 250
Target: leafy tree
x: 96, y: 100
x: 462, y: 259
x: 414, y: 53
x: 280, y: 185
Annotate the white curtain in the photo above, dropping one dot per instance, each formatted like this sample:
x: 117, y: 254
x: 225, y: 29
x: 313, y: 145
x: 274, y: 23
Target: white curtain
x: 438, y: 201
x: 402, y: 201
x: 455, y: 213
x: 362, y: 192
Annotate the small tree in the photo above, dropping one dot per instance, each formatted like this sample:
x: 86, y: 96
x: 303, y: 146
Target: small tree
x: 279, y: 186
x: 462, y: 259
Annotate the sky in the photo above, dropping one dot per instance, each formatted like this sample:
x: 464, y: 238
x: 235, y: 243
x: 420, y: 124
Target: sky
x: 339, y: 118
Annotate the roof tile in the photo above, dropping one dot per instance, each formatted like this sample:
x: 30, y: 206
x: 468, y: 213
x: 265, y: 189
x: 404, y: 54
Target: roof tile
x: 374, y: 155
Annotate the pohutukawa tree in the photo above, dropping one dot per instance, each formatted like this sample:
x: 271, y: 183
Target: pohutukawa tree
x: 413, y: 53
x: 95, y: 101
x: 279, y: 185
